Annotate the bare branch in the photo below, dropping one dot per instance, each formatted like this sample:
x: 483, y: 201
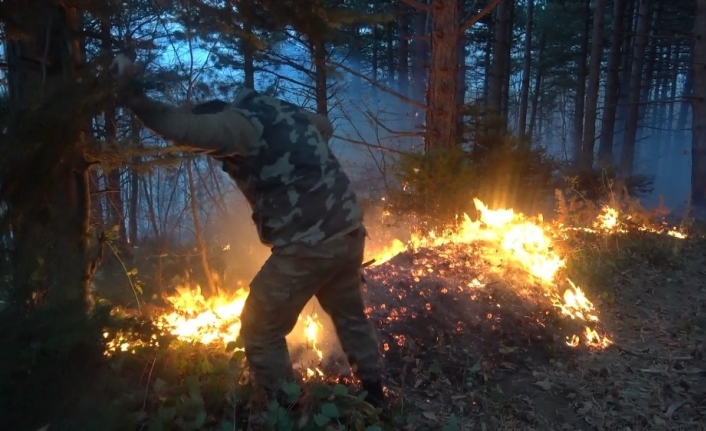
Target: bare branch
x: 369, y: 145
x: 417, y: 5
x: 380, y: 86
x: 470, y: 21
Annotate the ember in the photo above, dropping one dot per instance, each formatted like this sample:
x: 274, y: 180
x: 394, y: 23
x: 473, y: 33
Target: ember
x: 506, y: 239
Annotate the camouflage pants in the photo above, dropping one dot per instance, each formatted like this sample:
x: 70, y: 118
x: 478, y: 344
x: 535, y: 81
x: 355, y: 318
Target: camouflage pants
x: 278, y: 293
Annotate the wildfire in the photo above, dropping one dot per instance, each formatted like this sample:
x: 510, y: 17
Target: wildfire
x: 528, y: 244
x: 512, y: 238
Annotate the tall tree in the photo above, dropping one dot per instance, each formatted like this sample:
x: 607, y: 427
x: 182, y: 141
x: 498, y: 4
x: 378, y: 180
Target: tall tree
x: 580, y: 104
x: 610, y: 101
x: 526, y: 64
x: 447, y: 27
x: 47, y: 188
x: 594, y: 69
x: 635, y: 91
x: 698, y: 113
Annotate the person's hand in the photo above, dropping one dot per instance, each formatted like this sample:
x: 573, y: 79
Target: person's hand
x: 122, y: 66
x: 125, y: 72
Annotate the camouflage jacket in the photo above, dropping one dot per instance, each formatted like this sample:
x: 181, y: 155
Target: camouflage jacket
x: 277, y: 153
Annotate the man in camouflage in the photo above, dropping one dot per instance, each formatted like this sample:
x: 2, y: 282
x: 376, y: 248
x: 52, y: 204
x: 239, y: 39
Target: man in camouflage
x: 303, y: 207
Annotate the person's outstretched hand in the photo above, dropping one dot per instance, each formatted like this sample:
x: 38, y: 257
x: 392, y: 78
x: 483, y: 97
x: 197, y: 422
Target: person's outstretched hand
x: 122, y: 66
x: 125, y: 72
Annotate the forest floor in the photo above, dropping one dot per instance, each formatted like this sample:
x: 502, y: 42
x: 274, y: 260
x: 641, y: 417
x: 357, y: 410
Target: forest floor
x: 494, y: 357
x: 470, y: 343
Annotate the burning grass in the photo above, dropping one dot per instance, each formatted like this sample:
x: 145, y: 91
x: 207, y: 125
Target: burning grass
x: 525, y: 251
x: 501, y: 323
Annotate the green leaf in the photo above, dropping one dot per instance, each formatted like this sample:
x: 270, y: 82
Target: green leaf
x: 158, y: 385
x: 227, y: 426
x: 330, y: 410
x: 200, y: 419
x: 192, y: 383
x: 373, y: 428
x: 435, y: 368
x: 206, y: 366
x: 155, y: 425
x: 166, y: 413
x: 321, y: 420
x: 340, y: 390
x: 292, y: 390
x: 230, y: 347
x: 320, y: 391
x: 451, y: 424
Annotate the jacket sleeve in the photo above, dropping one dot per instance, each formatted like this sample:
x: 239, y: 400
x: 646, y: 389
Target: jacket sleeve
x: 222, y: 133
x: 322, y: 124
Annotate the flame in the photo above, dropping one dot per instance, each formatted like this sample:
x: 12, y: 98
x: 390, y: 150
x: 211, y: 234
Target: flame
x: 522, y: 242
x: 529, y: 245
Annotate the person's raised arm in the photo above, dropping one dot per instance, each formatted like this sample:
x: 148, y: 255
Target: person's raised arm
x: 224, y: 132
x: 218, y: 132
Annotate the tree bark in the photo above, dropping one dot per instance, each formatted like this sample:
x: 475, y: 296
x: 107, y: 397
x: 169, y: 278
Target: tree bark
x: 594, y: 70
x: 502, y: 44
x: 612, y: 87
x: 698, y: 113
x: 628, y: 151
x: 114, y: 198
x: 203, y: 249
x: 421, y: 55
x: 51, y: 193
x: 403, y: 49
x: 442, y: 112
x: 318, y: 47
x: 134, y: 184
x: 248, y: 51
x: 537, y: 86
x: 580, y: 103
x: 526, y: 69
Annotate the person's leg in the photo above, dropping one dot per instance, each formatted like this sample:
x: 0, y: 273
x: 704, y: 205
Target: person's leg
x: 342, y: 299
x: 278, y: 293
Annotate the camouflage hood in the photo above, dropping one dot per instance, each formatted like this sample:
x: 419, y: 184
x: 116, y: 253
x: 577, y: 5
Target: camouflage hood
x: 296, y: 187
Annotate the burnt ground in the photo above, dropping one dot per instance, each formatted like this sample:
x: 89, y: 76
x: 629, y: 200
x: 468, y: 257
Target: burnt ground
x: 471, y: 339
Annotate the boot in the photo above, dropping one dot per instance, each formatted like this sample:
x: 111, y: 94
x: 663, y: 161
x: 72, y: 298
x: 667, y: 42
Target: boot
x: 375, y: 397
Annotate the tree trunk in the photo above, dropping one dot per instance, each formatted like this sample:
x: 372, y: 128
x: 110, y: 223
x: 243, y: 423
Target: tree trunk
x: 203, y: 249
x: 495, y: 96
x: 376, y: 52
x: 686, y: 105
x: 52, y: 192
x: 581, y: 83
x: 114, y: 198
x: 628, y: 151
x: 673, y: 84
x: 650, y: 64
x: 698, y: 113
x: 134, y: 183
x: 318, y: 47
x: 537, y: 86
x: 624, y: 80
x: 442, y: 112
x: 421, y: 55
x: 612, y: 87
x: 664, y: 75
x: 390, y: 54
x: 248, y: 51
x: 488, y: 68
x: 507, y: 70
x: 594, y: 70
x: 526, y: 65
x: 403, y: 49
